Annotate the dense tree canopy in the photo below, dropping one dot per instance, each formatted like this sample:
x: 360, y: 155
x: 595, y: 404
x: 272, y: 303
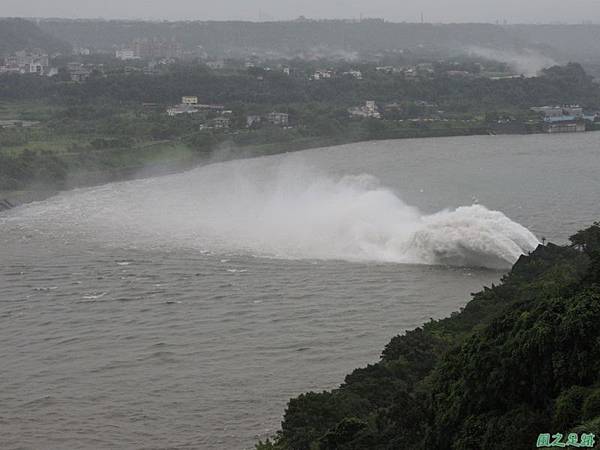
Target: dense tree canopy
x: 522, y: 358
x: 558, y: 85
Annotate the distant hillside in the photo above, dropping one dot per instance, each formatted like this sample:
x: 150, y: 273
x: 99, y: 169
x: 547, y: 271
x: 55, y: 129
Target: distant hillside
x: 562, y: 42
x: 19, y: 34
x: 579, y: 43
x: 281, y: 37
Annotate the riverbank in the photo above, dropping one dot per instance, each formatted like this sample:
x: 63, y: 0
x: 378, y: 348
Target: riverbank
x: 184, y: 158
x: 173, y: 156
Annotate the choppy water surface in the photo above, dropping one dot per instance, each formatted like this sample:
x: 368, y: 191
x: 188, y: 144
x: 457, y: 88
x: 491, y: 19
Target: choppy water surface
x: 183, y: 311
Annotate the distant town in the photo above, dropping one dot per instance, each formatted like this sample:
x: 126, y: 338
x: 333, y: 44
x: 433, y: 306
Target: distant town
x: 153, y: 57
x: 97, y: 111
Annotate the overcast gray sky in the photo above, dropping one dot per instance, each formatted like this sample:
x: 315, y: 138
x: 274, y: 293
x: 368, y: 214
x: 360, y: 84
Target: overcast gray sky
x: 530, y: 11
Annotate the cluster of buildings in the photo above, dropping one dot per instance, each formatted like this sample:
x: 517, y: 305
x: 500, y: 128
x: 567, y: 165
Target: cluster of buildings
x: 13, y: 123
x: 37, y: 62
x: 420, y: 71
x: 216, y: 123
x: 419, y: 110
x: 327, y: 74
x: 151, y: 49
x: 28, y: 62
x: 423, y: 70
x: 190, y: 105
x: 564, y: 119
x: 410, y: 72
x: 274, y: 118
x: 368, y: 110
x: 322, y: 75
x: 216, y: 117
x: 79, y: 72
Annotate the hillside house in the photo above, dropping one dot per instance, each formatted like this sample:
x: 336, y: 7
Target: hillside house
x: 278, y: 118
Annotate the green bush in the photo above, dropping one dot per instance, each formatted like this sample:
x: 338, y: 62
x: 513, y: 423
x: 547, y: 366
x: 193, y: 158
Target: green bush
x: 591, y: 405
x: 568, y: 407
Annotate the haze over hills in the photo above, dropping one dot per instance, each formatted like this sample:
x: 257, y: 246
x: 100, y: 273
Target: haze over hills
x: 19, y: 34
x: 366, y: 35
x: 561, y: 42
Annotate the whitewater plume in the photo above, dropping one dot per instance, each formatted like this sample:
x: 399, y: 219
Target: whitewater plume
x: 279, y: 210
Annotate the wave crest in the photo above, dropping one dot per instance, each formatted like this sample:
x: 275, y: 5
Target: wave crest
x: 472, y: 236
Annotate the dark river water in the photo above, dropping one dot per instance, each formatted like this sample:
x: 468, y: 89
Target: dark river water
x: 184, y: 311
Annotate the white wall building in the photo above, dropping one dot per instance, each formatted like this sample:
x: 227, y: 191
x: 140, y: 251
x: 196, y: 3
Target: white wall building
x: 369, y: 110
x: 189, y: 100
x: 125, y: 54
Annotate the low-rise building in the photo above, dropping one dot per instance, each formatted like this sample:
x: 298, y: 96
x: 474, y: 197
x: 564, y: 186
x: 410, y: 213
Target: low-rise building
x: 52, y: 71
x: 10, y: 69
x: 356, y: 74
x: 278, y: 118
x: 558, y: 111
x: 125, y: 54
x: 217, y: 109
x: 15, y: 123
x: 78, y: 72
x: 253, y: 120
x: 386, y: 69
x: 549, y: 111
x: 189, y: 105
x: 369, y: 110
x: 414, y: 72
x: 181, y: 109
x: 189, y: 100
x: 220, y: 123
x: 458, y: 73
x: 573, y: 110
x: 564, y: 124
x: 25, y: 62
x: 82, y: 51
x: 322, y: 75
x: 563, y: 119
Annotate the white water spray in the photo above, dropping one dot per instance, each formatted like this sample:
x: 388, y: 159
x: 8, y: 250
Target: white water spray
x: 283, y: 211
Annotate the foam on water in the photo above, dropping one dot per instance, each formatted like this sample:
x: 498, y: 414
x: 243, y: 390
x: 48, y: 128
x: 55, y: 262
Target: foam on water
x: 282, y: 210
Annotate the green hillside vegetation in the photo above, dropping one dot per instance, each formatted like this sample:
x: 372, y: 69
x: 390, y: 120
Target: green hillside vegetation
x: 522, y: 358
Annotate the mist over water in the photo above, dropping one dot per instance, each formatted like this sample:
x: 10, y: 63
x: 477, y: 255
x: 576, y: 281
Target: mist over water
x: 284, y: 210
